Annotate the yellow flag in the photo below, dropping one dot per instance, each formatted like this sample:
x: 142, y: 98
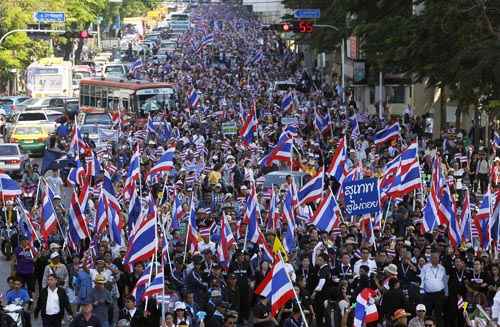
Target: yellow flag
x: 278, y: 247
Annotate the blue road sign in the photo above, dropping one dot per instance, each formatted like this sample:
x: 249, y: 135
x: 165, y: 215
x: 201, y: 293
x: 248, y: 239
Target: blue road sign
x: 49, y: 17
x: 307, y: 13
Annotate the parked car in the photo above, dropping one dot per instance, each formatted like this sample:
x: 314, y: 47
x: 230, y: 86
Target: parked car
x: 12, y: 159
x: 32, y: 138
x: 10, y: 104
x: 97, y: 118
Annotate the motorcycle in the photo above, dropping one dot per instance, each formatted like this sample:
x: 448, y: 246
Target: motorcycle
x: 8, y: 240
x: 28, y: 195
x: 13, y: 315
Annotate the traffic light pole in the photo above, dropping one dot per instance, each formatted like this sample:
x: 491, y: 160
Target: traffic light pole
x: 30, y: 31
x: 342, y: 56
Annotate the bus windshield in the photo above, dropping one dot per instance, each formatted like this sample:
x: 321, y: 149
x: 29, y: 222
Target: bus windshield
x: 155, y: 99
x: 179, y: 17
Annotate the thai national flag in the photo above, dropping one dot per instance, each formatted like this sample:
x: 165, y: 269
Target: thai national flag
x: 227, y: 240
x: 407, y: 177
x: 94, y: 167
x: 288, y: 212
x: 353, y: 122
x: 101, y: 215
x: 257, y: 57
x: 150, y: 126
x: 448, y: 205
x: 76, y: 174
x: 277, y: 287
x: 156, y: 285
x: 327, y: 215
x: 193, y: 98
x: 249, y: 127
x: 250, y: 217
x: 273, y: 218
x: 282, y: 151
x: 434, y: 215
x: 482, y: 221
x: 365, y: 311
x: 165, y: 163
x: 337, y: 162
x: 207, y: 39
x: 177, y: 211
x: 77, y: 145
x: 466, y: 218
x: 113, y: 211
x: 140, y: 285
x: 496, y: 140
x: 289, y: 218
x: 193, y: 235
x: 8, y: 186
x: 48, y: 214
x: 392, y: 132
x: 322, y: 123
x: 77, y: 223
x: 287, y: 101
x: 143, y: 242
x: 133, y: 174
x: 292, y: 129
x: 136, y: 66
x: 313, y: 189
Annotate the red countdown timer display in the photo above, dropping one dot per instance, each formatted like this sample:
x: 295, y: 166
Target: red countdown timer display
x: 305, y: 26
x: 301, y: 26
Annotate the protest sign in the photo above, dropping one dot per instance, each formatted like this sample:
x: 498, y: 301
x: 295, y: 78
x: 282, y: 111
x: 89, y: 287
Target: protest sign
x: 361, y: 197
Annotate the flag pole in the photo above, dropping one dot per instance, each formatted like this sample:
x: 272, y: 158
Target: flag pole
x: 153, y: 260
x: 295, y: 294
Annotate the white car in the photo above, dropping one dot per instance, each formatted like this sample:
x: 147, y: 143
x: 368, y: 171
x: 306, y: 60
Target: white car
x: 12, y: 159
x: 45, y: 118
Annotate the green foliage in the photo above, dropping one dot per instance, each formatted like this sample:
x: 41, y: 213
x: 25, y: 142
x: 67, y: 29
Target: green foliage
x: 452, y: 43
x: 133, y: 8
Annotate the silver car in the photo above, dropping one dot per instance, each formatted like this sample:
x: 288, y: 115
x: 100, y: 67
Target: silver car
x: 12, y: 159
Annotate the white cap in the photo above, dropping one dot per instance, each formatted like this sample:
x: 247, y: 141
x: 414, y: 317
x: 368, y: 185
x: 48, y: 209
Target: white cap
x: 54, y: 255
x: 179, y: 306
x: 420, y: 307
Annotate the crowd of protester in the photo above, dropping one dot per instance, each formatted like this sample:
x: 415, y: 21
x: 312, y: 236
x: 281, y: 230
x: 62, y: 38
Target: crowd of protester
x: 419, y: 277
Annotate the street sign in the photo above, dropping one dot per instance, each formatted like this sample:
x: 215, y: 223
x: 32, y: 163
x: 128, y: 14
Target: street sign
x: 49, y: 17
x: 307, y: 13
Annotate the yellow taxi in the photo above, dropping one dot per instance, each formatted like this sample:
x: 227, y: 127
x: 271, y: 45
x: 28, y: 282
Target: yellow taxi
x: 31, y: 138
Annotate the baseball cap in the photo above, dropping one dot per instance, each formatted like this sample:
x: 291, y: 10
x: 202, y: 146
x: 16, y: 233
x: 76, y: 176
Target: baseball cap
x: 420, y: 307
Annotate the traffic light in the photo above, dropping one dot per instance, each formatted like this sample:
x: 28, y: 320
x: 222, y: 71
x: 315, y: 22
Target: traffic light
x: 77, y: 34
x: 297, y: 26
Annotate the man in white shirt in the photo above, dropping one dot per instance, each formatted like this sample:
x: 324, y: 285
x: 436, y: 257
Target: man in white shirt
x: 51, y: 304
x: 433, y: 286
x: 365, y: 261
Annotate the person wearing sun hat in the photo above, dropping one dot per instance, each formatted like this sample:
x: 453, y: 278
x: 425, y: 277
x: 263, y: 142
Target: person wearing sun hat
x: 400, y: 318
x: 101, y: 298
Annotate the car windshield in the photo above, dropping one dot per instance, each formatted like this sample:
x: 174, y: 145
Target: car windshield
x: 8, y: 150
x: 103, y: 119
x: 27, y: 130
x: 6, y: 101
x: 114, y: 69
x: 53, y: 117
x: 30, y: 102
x: 30, y: 116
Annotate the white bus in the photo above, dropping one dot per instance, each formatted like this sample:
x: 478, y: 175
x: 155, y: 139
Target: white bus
x: 50, y: 77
